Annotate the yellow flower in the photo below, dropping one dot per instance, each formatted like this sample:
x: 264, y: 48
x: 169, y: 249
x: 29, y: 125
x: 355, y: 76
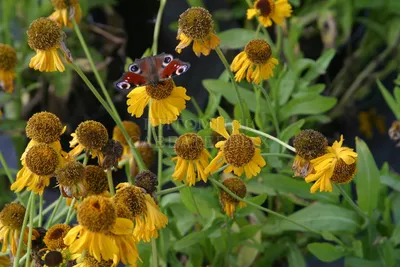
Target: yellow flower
x: 97, y: 221
x: 133, y: 131
x: 54, y: 238
x: 239, y: 151
x: 229, y: 203
x: 55, y: 258
x: 45, y: 37
x: 39, y: 164
x: 338, y: 165
x: 144, y: 211
x: 267, y: 10
x: 8, y: 61
x: 65, y: 10
x: 191, y: 157
x: 5, y: 261
x: 309, y: 144
x: 167, y: 101
x: 90, y: 136
x: 86, y: 260
x: 255, y: 63
x: 196, y: 24
x: 11, y: 220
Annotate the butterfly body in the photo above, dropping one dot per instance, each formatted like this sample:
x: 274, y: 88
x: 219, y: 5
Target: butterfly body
x: 151, y: 70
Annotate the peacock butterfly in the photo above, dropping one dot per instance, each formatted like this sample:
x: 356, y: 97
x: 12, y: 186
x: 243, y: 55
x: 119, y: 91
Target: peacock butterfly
x: 151, y: 70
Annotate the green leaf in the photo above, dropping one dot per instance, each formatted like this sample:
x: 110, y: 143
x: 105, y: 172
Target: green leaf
x: 326, y: 252
x: 387, y: 253
x: 236, y: 38
x: 307, y: 106
x: 367, y: 178
x: 291, y: 130
x: 195, y: 237
x: 357, y: 262
x: 310, y: 91
x: 259, y: 200
x: 248, y: 254
x: 395, y: 238
x: 290, y: 185
x: 397, y: 94
x: 393, y: 32
x: 320, y: 65
x: 319, y: 217
x: 228, y: 92
x: 294, y: 256
x: 214, y: 100
x: 394, y: 106
x: 390, y: 181
x: 247, y: 120
x: 286, y: 86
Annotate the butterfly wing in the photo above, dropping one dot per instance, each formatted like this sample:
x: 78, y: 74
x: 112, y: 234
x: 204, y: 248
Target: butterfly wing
x: 130, y: 79
x: 175, y: 68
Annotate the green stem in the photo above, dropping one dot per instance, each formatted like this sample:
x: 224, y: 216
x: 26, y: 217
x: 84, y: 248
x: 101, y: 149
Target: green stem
x: 160, y: 156
x: 171, y: 190
x: 21, y: 235
x: 31, y: 216
x: 40, y: 210
x: 197, y: 107
x: 266, y: 135
x: 94, y: 69
x: 157, y: 27
x: 228, y: 239
x: 260, y: 207
x: 9, y: 176
x: 351, y: 202
x: 5, y: 9
x: 45, y: 211
x: 277, y: 155
x: 85, y: 159
x: 136, y: 154
x: 154, y: 252
x: 228, y: 69
x: 69, y: 214
x: 271, y: 109
x: 110, y: 182
x: 50, y: 221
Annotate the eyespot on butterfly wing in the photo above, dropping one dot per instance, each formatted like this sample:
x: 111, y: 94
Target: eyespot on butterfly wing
x: 175, y: 68
x: 130, y: 79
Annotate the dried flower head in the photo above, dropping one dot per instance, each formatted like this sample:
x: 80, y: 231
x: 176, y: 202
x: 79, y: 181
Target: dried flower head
x: 147, y: 180
x: 54, y: 238
x: 112, y: 152
x: 95, y: 180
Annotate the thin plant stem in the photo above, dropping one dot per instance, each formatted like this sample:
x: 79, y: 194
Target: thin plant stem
x: 9, y: 176
x: 50, y: 221
x: 110, y: 181
x: 22, y: 234
x: 149, y: 127
x: 267, y: 136
x: 260, y: 207
x: 228, y: 69
x: 136, y: 154
x: 160, y: 156
x: 171, y: 190
x: 197, y: 107
x: 94, y: 69
x: 273, y: 113
x: 69, y: 214
x: 32, y: 214
x: 154, y: 252
x: 40, y: 210
x: 85, y: 160
x: 157, y: 27
x: 45, y: 211
x: 5, y: 8
x: 351, y: 202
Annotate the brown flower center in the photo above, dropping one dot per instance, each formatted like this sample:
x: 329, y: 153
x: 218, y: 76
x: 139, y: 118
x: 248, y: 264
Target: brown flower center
x: 343, y: 173
x: 44, y: 34
x: 310, y: 144
x: 161, y: 91
x: 12, y: 215
x: 97, y: 214
x: 258, y: 51
x: 239, y: 150
x: 266, y: 7
x: 133, y: 198
x: 92, y: 134
x: 196, y: 23
x: 42, y: 160
x: 147, y: 180
x: 189, y: 146
x: 8, y: 57
x: 237, y: 186
x: 53, y: 258
x: 44, y: 127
